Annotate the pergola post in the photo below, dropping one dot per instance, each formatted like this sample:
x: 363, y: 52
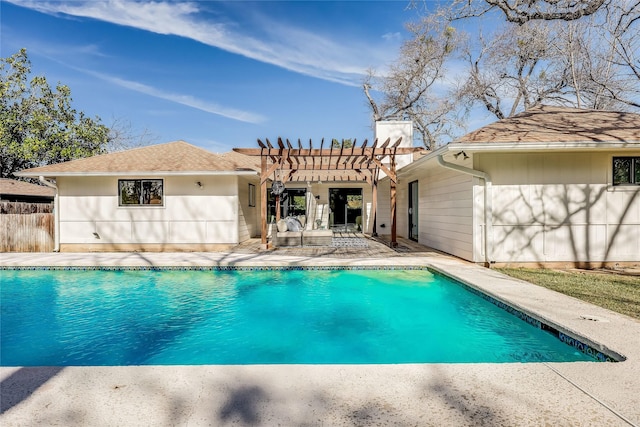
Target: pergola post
x: 393, y: 182
x: 263, y: 202
x: 374, y: 201
x: 394, y: 241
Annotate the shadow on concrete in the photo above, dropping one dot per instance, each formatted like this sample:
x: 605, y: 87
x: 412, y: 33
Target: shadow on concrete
x: 23, y: 383
x: 244, y: 403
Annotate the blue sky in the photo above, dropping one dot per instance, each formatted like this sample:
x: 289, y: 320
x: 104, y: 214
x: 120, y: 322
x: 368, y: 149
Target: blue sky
x: 216, y: 74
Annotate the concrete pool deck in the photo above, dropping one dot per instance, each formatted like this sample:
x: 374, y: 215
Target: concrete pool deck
x: 558, y: 394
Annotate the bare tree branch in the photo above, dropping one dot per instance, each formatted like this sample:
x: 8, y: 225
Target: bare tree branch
x: 523, y: 11
x: 580, y: 53
x: 414, y: 87
x: 513, y: 71
x: 366, y: 87
x: 122, y: 136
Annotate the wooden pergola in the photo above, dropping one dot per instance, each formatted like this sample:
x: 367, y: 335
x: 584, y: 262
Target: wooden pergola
x: 298, y: 163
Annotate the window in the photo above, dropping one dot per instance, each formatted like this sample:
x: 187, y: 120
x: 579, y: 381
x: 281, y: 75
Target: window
x: 626, y: 170
x: 136, y: 192
x: 252, y: 195
x: 293, y: 202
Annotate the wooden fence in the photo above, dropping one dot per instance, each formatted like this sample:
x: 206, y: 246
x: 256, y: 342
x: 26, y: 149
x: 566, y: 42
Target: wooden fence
x: 26, y: 227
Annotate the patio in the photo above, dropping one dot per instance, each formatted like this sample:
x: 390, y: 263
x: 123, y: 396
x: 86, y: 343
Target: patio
x: 362, y: 246
x: 582, y: 393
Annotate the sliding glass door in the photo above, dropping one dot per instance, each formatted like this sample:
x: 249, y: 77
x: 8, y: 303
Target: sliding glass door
x: 413, y: 210
x: 346, y: 208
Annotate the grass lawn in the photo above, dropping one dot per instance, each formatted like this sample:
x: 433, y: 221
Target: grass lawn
x: 615, y: 292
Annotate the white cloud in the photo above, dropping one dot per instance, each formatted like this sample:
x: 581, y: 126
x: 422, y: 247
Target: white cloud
x: 294, y: 49
x: 188, y: 100
x: 392, y: 37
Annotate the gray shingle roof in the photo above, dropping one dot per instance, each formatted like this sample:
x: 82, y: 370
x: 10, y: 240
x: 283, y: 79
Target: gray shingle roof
x: 560, y: 125
x: 172, y: 157
x: 21, y: 188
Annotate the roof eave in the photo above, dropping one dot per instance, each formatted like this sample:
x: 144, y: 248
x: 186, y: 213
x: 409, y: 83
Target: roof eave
x: 425, y: 158
x: 496, y: 147
x: 134, y: 173
x: 543, y: 146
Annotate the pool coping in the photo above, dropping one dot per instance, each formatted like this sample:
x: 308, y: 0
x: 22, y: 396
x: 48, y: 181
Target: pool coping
x: 610, y: 387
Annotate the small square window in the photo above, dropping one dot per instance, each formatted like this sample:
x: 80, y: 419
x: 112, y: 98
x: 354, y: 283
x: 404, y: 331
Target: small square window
x: 137, y: 192
x: 626, y: 170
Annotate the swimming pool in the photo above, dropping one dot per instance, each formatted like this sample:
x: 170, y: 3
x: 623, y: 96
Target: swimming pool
x: 272, y: 316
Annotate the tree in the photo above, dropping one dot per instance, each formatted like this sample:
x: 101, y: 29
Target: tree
x: 38, y: 125
x: 623, y: 23
x: 123, y: 136
x: 516, y: 69
x: 523, y: 11
x: 587, y: 63
x: 616, y: 52
x: 580, y: 53
x: 345, y: 143
x: 415, y: 86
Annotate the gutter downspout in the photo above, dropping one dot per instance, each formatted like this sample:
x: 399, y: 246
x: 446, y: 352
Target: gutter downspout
x: 56, y: 213
x: 488, y: 206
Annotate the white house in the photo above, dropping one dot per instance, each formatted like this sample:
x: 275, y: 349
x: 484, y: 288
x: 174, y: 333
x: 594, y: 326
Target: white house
x: 164, y: 197
x: 550, y: 186
x: 178, y: 197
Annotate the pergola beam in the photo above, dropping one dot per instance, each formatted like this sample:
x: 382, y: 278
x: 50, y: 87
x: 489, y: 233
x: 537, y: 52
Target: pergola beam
x: 365, y: 163
x: 314, y: 152
x: 264, y: 176
x: 263, y: 204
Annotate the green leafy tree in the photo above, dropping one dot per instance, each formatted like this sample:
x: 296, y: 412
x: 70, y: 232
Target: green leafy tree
x: 346, y: 143
x: 38, y: 125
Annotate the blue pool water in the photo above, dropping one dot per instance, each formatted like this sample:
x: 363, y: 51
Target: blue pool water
x: 128, y: 317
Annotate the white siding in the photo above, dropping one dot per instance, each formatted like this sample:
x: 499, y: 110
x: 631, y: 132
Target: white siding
x: 446, y: 214
x: 445, y: 208
x: 190, y: 214
x: 383, y: 214
x: 248, y: 216
x: 561, y: 207
x: 402, y: 207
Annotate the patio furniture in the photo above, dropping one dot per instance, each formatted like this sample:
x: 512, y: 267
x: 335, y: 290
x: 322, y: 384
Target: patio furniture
x: 317, y: 237
x: 290, y: 232
x: 288, y: 238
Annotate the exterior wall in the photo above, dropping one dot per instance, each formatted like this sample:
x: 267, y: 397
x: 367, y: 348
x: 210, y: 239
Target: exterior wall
x: 383, y: 214
x: 248, y: 216
x: 561, y: 208
x: 191, y: 216
x: 445, y: 207
x: 402, y: 206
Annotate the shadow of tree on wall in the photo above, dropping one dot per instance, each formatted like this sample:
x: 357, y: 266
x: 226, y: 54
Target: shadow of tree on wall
x: 625, y: 212
x: 554, y: 208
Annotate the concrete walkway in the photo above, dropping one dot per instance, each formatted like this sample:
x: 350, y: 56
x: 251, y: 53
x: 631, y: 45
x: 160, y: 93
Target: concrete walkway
x: 510, y: 394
